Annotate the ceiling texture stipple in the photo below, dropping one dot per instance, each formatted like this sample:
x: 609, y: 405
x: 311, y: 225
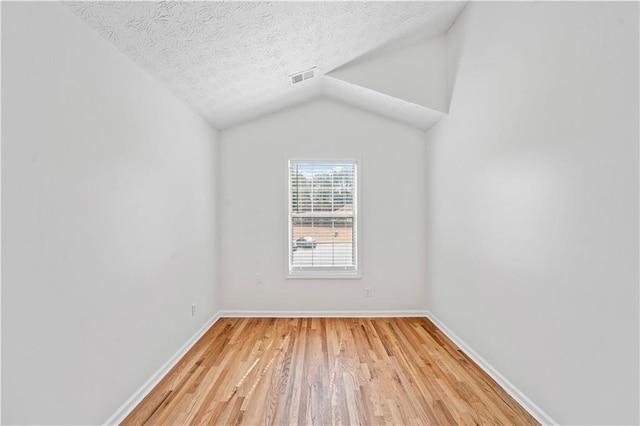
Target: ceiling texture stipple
x: 231, y: 61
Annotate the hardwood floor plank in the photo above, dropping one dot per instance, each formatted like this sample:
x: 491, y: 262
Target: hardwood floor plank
x: 321, y: 371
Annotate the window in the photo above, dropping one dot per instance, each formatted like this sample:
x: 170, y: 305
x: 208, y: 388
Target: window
x: 323, y: 218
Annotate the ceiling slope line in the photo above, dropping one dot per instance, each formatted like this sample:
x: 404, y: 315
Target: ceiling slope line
x: 382, y: 104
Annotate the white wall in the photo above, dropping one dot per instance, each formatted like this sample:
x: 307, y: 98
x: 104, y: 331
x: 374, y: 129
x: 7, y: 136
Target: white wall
x: 533, y: 202
x: 253, y: 210
x: 108, y: 221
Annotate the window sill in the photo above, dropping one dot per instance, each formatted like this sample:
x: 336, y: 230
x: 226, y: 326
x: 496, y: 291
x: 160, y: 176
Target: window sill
x: 314, y: 275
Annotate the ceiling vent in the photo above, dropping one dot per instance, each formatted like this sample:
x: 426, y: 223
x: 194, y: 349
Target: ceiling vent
x: 303, y: 75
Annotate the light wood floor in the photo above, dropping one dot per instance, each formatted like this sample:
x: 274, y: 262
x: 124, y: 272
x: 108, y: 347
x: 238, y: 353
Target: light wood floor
x: 321, y: 371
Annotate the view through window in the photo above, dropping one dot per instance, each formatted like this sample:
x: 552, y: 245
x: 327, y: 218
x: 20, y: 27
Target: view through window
x: 323, y: 217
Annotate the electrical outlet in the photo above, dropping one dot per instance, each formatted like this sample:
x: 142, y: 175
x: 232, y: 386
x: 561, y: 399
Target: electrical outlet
x: 258, y: 278
x: 194, y: 308
x: 367, y: 292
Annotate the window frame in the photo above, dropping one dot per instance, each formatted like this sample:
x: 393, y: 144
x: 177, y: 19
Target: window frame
x: 357, y: 220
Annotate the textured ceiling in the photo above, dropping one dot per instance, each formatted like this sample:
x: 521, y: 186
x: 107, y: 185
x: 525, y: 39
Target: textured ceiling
x: 231, y: 60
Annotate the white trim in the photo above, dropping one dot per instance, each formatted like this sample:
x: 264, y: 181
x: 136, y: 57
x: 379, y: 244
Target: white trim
x: 321, y: 314
x: 513, y: 391
x: 144, y: 390
x: 320, y: 275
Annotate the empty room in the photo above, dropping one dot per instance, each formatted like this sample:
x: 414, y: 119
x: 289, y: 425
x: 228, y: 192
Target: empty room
x: 319, y: 213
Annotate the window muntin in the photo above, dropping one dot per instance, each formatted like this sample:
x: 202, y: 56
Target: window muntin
x: 322, y: 218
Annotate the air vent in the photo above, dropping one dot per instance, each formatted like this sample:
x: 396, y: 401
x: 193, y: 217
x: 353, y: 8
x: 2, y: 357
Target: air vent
x: 302, y: 75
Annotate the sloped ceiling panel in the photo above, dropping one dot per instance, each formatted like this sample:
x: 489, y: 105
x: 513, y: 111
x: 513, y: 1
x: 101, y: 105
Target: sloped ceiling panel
x: 415, y: 73
x: 379, y: 103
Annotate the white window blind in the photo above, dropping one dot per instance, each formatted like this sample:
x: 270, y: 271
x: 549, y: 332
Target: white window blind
x: 323, y: 217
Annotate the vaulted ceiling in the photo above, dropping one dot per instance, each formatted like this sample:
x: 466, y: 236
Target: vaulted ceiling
x: 231, y: 61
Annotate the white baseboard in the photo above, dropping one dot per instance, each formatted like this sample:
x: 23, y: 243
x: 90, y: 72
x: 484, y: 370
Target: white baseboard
x: 514, y: 392
x: 144, y: 390
x: 325, y: 314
